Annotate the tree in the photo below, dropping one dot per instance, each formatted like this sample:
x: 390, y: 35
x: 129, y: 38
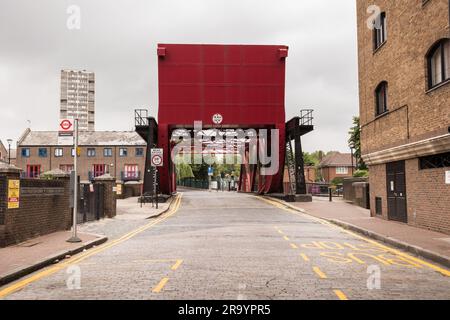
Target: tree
x: 354, y: 142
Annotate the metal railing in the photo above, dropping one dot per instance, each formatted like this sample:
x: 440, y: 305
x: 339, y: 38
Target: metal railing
x: 130, y: 175
x: 141, y: 117
x: 322, y: 189
x: 306, y: 117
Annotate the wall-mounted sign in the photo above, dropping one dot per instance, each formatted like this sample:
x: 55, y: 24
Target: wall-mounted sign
x: 119, y: 189
x: 13, y: 194
x: 447, y: 177
x: 156, y: 157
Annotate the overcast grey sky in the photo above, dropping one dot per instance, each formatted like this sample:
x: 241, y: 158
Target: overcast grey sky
x: 117, y: 41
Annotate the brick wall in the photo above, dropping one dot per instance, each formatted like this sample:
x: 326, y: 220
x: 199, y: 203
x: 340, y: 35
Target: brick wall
x: 414, y: 114
x: 377, y: 182
x: 428, y: 197
x: 44, y: 208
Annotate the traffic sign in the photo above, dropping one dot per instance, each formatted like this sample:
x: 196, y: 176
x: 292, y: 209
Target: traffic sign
x: 210, y: 171
x: 156, y: 157
x: 217, y: 118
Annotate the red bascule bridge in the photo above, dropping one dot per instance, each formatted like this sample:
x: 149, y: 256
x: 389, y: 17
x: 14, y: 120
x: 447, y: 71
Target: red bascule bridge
x: 226, y: 87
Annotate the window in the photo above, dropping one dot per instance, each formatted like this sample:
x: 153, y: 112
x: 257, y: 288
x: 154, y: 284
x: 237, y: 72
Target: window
x: 33, y: 171
x: 98, y: 170
x: 25, y: 152
x: 435, y: 161
x: 139, y: 152
x: 68, y: 168
x: 123, y: 152
x: 43, y: 152
x: 380, y: 31
x: 107, y: 152
x: 439, y: 63
x: 131, y: 172
x: 91, y: 152
x: 58, y: 152
x: 381, y: 98
x: 341, y: 170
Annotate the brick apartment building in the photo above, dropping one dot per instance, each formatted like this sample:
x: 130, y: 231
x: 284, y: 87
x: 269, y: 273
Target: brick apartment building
x: 121, y: 154
x: 336, y: 165
x: 404, y: 83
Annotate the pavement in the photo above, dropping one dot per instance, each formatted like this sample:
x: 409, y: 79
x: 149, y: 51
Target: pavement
x: 429, y: 244
x: 236, y: 246
x: 22, y: 259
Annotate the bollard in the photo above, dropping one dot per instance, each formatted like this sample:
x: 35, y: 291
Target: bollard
x: 330, y: 194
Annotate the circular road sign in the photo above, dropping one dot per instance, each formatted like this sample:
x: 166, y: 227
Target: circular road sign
x: 66, y: 125
x: 156, y: 160
x: 217, y: 118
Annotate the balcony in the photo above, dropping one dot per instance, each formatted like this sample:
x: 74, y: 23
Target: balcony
x: 130, y: 176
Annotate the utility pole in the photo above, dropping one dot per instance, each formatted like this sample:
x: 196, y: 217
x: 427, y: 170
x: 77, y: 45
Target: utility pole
x: 74, y: 238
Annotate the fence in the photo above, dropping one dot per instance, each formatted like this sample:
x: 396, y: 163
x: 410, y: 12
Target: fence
x: 193, y: 183
x: 322, y: 189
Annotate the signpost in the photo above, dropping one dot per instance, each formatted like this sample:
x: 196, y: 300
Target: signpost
x: 210, y: 174
x: 65, y: 124
x: 156, y: 160
x: 65, y: 131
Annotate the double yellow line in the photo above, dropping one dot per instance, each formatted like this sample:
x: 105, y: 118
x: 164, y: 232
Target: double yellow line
x: 78, y: 258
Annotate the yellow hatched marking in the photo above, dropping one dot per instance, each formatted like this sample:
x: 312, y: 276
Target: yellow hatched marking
x: 340, y: 295
x: 177, y: 265
x: 304, y: 257
x: 320, y: 273
x: 160, y: 285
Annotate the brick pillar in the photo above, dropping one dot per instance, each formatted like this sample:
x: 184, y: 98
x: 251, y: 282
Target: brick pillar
x: 110, y: 202
x: 6, y: 172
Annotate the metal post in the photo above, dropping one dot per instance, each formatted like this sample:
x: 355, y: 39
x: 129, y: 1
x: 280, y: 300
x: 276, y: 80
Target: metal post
x: 9, y: 152
x: 155, y: 187
x: 74, y: 238
x: 330, y: 194
x: 209, y: 183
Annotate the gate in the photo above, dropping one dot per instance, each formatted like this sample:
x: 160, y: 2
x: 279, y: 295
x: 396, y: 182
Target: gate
x: 91, y: 202
x: 396, y: 191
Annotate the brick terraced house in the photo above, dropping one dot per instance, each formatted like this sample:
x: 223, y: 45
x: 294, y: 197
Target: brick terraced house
x: 404, y: 84
x: 121, y: 154
x: 337, y: 165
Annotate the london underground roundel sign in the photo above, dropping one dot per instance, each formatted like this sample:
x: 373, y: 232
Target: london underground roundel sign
x: 66, y: 125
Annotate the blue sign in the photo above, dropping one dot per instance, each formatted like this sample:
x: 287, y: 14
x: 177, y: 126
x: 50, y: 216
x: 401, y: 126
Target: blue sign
x: 210, y: 171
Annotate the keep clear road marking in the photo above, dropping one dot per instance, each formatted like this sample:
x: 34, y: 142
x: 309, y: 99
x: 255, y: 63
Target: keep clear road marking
x: 319, y: 273
x: 286, y: 207
x: 78, y: 258
x: 160, y: 285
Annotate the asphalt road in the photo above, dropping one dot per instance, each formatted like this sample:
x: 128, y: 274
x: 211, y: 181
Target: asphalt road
x: 236, y: 246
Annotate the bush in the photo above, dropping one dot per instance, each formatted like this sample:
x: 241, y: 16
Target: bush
x: 337, y: 180
x: 361, y: 174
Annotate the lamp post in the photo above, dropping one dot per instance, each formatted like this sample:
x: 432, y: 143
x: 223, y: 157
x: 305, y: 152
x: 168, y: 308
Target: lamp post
x: 9, y: 150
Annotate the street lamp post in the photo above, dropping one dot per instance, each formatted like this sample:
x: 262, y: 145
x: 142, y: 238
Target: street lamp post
x: 9, y: 150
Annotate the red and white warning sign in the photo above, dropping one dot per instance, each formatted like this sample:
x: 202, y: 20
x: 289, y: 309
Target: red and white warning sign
x: 156, y: 157
x: 217, y: 118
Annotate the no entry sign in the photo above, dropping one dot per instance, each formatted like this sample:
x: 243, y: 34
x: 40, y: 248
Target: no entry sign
x: 156, y: 156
